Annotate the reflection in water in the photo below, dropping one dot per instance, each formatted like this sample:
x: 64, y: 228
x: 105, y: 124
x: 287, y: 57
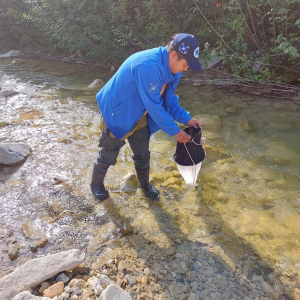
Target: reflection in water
x: 248, y: 187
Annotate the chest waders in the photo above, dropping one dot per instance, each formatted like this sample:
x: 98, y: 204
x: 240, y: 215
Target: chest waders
x: 107, y: 156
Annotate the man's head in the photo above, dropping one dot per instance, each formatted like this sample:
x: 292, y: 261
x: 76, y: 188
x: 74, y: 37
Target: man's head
x: 183, y: 53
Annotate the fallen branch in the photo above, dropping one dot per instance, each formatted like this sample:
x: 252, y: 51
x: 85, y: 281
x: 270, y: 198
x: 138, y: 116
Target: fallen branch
x: 235, y: 83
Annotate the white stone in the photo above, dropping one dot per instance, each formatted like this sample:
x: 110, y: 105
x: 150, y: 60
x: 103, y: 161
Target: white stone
x: 104, y: 279
x: 97, y: 84
x: 92, y: 280
x: 13, y: 153
x: 26, y: 295
x: 38, y: 270
x: 12, y: 53
x: 114, y: 292
x: 147, y: 271
x: 97, y: 287
x: 62, y: 277
x: 65, y: 295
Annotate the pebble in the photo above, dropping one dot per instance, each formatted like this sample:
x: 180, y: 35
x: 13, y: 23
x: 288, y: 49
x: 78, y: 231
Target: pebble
x: 77, y: 291
x: 13, y: 251
x: 65, y: 295
x: 62, y: 277
x: 131, y: 279
x: 105, y: 279
x: 144, y: 280
x: 33, y: 245
x: 42, y: 242
x: 147, y: 271
x: 44, y: 285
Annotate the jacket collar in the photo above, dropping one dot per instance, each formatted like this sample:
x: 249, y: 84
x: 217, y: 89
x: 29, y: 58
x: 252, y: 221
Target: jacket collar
x: 169, y: 77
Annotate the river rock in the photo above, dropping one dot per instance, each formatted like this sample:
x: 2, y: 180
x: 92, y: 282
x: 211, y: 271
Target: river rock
x: 8, y: 94
x: 114, y: 292
x: 129, y: 183
x: 42, y: 242
x: 37, y: 270
x: 62, y: 277
x: 97, y: 84
x: 131, y: 279
x: 26, y: 295
x: 104, y: 279
x: 210, y: 122
x: 106, y: 232
x: 54, y: 290
x: 33, y: 245
x: 107, y: 255
x: 281, y: 152
x: 97, y: 287
x: 11, y: 53
x: 76, y: 283
x: 13, y: 251
x: 13, y: 153
x: 44, y: 285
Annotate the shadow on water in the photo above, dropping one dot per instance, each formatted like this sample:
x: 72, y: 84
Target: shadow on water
x: 220, y: 242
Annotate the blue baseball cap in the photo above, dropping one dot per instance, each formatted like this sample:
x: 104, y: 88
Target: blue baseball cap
x: 188, y: 46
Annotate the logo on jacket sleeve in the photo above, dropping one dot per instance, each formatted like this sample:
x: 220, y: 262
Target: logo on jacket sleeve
x: 152, y: 88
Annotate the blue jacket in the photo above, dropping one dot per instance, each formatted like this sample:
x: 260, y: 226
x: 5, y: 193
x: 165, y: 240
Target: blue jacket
x: 135, y: 88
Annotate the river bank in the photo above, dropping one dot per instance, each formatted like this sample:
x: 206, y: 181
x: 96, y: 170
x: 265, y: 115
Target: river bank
x: 144, y: 271
x: 214, y: 77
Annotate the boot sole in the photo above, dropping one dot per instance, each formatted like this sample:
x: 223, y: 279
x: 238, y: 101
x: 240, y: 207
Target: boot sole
x: 102, y: 196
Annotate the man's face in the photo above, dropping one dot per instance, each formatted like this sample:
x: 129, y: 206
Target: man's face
x: 177, y: 65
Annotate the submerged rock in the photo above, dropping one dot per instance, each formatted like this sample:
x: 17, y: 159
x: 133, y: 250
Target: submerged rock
x: 129, y: 183
x: 97, y: 84
x: 8, y: 94
x: 210, y: 122
x: 11, y: 53
x: 13, y: 251
x: 13, y: 153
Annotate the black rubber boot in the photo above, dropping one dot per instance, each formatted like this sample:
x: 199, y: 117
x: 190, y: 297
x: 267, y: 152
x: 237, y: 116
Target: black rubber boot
x: 97, y: 186
x: 149, y: 190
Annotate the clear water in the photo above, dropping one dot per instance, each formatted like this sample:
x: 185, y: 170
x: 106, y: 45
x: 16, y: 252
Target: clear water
x: 247, y: 199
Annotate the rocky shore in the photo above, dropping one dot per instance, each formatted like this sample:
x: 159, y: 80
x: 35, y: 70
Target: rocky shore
x: 129, y: 268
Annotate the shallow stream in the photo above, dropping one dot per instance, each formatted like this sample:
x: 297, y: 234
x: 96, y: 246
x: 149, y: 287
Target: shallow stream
x: 247, y: 202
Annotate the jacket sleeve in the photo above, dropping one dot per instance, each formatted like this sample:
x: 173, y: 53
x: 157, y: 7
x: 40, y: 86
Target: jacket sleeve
x: 176, y: 111
x: 148, y: 81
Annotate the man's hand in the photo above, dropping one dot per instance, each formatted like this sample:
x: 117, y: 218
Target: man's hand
x: 182, y: 137
x: 193, y: 122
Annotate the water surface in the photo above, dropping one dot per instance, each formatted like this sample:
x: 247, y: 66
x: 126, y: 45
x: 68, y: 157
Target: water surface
x: 247, y: 200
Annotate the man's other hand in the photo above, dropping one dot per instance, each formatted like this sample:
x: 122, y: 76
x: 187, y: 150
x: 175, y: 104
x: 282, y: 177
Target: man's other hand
x: 193, y: 122
x: 182, y: 137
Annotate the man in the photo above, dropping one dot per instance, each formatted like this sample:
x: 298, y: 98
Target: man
x: 138, y: 101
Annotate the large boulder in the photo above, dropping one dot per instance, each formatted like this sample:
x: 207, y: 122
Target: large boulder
x: 38, y: 270
x: 114, y: 292
x: 11, y: 53
x: 13, y: 153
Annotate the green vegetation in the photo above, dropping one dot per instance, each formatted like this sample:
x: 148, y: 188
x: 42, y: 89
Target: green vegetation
x: 253, y: 38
